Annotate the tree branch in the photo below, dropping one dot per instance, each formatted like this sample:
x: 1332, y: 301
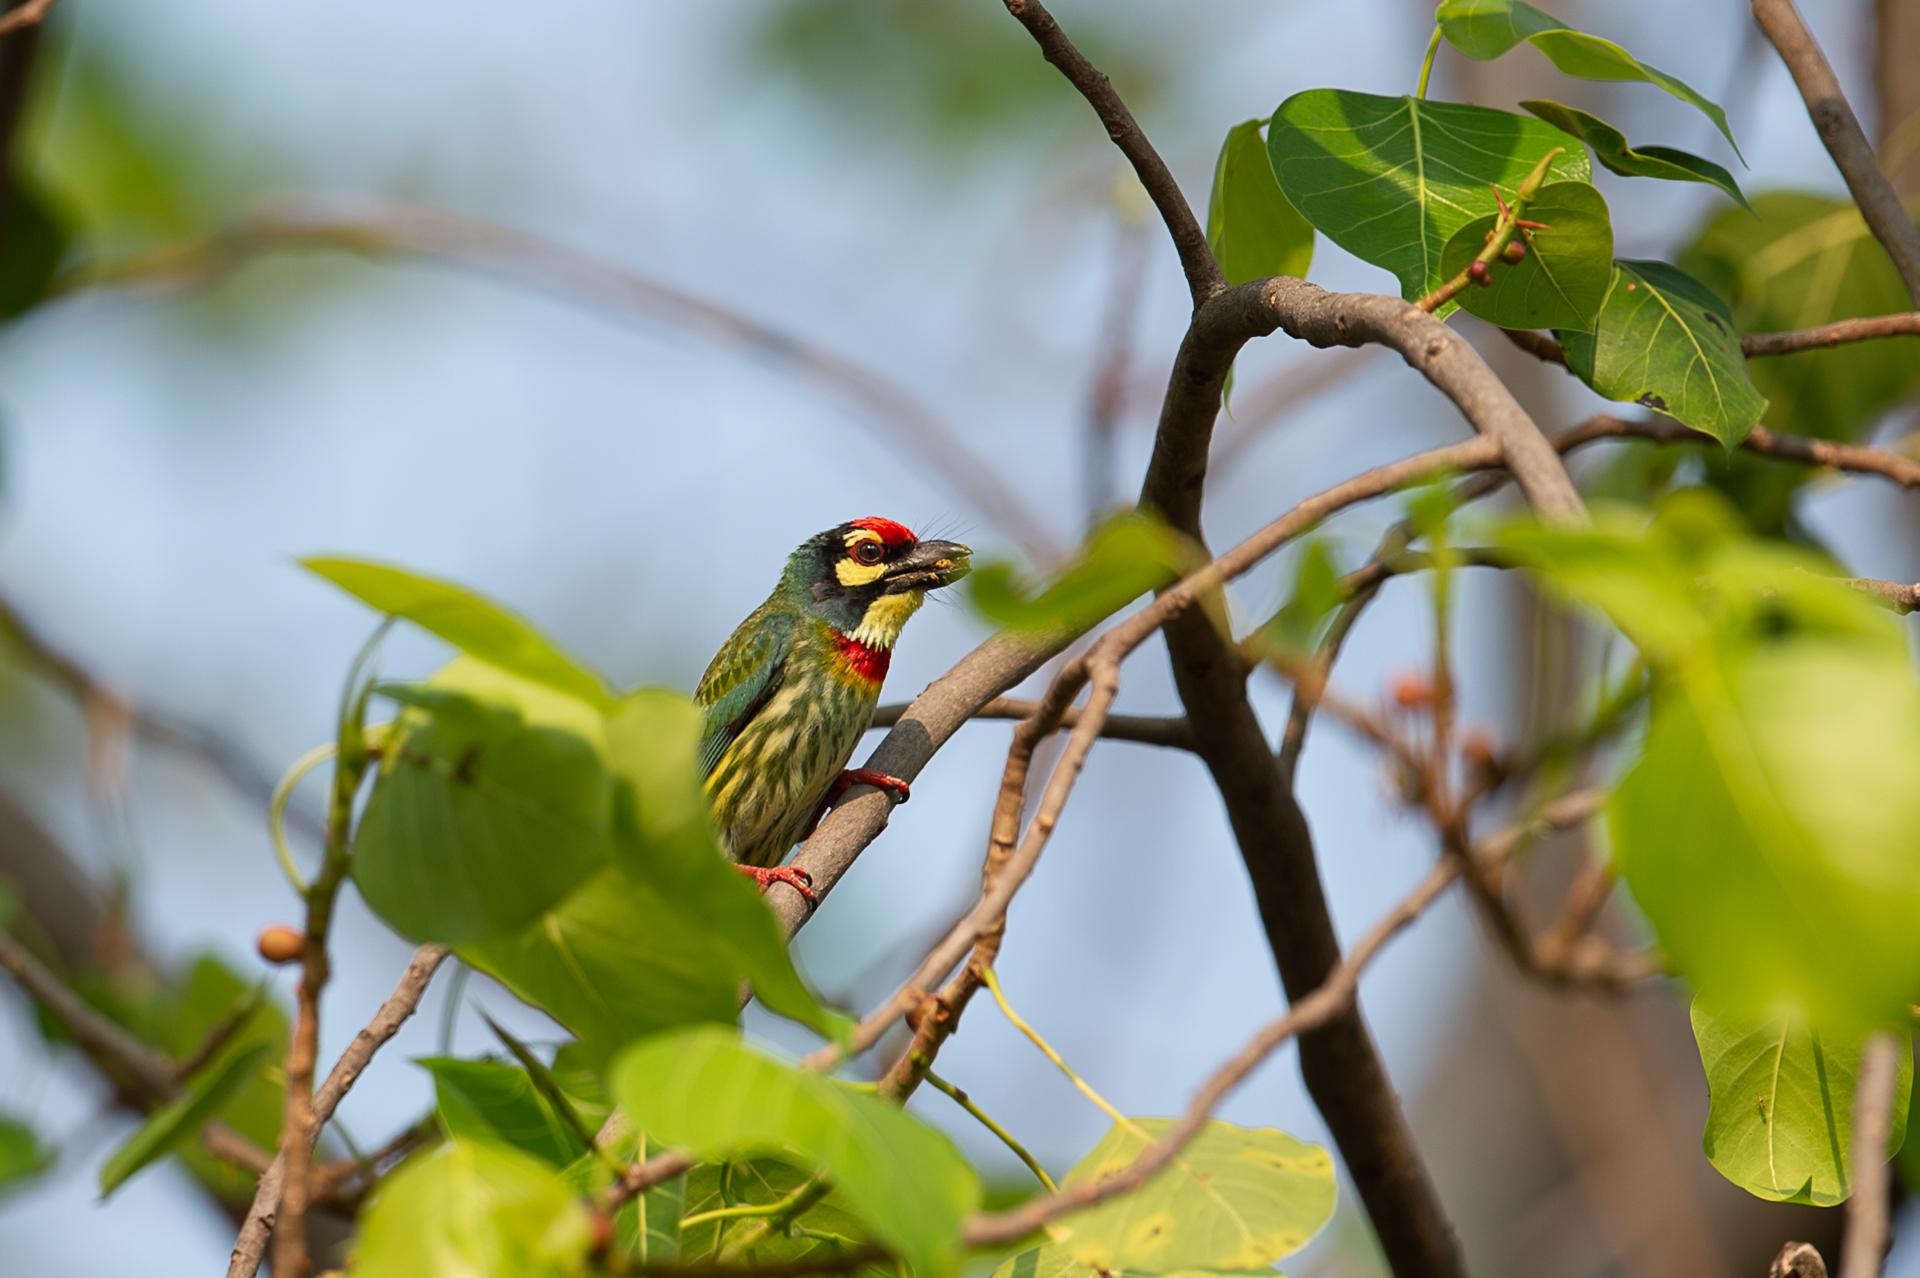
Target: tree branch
x: 1159, y: 730
x: 1189, y: 241
x: 1840, y: 131
x: 23, y: 15
x: 1846, y: 332
x: 1864, y: 1250
x: 251, y: 1246
x: 381, y: 231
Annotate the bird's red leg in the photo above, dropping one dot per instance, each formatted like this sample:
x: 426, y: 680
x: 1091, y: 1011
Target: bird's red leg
x: 893, y: 785
x: 791, y: 875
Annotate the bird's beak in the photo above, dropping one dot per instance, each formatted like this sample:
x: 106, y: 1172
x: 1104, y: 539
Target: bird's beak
x: 929, y: 566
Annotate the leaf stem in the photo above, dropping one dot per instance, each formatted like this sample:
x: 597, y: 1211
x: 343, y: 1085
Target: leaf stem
x: 277, y: 810
x: 776, y: 1217
x: 1426, y: 65
x: 992, y: 980
x: 742, y: 1211
x: 966, y: 1102
x: 1508, y: 224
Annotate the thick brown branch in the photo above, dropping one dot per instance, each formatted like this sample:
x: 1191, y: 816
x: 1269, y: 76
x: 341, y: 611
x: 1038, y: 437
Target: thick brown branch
x: 1189, y: 241
x: 1902, y: 597
x: 1169, y: 730
x: 1840, y: 131
x: 251, y: 1246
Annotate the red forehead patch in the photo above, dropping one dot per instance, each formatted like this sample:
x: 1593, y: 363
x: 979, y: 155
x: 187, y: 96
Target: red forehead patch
x: 888, y: 531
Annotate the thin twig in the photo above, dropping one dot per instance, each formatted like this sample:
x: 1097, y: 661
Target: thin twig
x: 1840, y: 131
x: 1330, y: 999
x: 1189, y: 241
x: 986, y: 1120
x: 1867, y: 328
x: 1903, y: 597
x: 250, y: 1248
x: 383, y: 230
x: 1863, y: 1250
x: 1170, y: 730
x: 25, y: 14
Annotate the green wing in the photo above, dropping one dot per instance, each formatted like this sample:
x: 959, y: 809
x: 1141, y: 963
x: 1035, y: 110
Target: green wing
x: 742, y: 678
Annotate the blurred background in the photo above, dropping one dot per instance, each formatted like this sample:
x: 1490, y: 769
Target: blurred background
x: 600, y: 308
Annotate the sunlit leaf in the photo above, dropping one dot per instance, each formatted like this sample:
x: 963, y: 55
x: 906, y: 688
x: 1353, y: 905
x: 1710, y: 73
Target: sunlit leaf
x: 179, y: 1120
x: 1486, y: 29
x: 471, y: 1208
x: 1781, y: 1099
x: 22, y: 1155
x: 1124, y: 559
x: 1237, y: 1198
x: 1609, y: 146
x: 1251, y: 228
x: 705, y: 1090
x: 492, y: 803
x: 492, y: 1100
x: 1562, y: 280
x: 1391, y: 179
x: 470, y: 622
x: 1664, y: 340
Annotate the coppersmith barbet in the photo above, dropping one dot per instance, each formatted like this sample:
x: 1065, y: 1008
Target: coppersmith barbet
x: 789, y: 693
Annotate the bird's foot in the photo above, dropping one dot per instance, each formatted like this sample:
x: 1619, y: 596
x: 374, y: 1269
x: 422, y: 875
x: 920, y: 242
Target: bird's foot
x: 791, y: 875
x: 893, y: 785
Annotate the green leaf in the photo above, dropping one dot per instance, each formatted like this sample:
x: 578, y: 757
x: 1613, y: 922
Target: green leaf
x: 207, y: 998
x: 473, y: 1208
x: 1744, y: 837
x: 492, y: 803
x: 665, y: 837
x: 1562, y: 280
x: 471, y: 623
x: 22, y: 1156
x: 1609, y: 146
x: 492, y: 1100
x: 1055, y: 1262
x: 1316, y: 593
x: 1124, y: 559
x: 178, y: 1120
x: 37, y: 233
x: 1391, y: 179
x: 1780, y: 1116
x: 1807, y: 260
x: 705, y: 1090
x: 1664, y: 340
x: 1251, y: 228
x: 826, y: 1227
x: 1237, y: 1198
x: 1484, y: 29
x: 616, y: 958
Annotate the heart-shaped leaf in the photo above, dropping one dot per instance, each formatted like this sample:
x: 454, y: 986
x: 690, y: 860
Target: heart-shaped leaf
x: 1664, y: 340
x: 1391, y: 179
x: 1251, y: 228
x: 1561, y: 282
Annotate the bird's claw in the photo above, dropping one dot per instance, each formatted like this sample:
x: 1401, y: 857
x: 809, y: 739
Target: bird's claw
x: 893, y: 785
x: 791, y: 875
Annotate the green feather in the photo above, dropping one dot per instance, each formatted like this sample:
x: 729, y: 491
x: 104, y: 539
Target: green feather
x: 742, y: 677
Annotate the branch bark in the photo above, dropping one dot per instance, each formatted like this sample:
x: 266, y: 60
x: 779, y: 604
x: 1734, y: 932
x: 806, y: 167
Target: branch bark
x: 1864, y: 1250
x: 1840, y: 132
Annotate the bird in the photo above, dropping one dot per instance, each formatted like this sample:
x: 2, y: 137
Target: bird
x: 788, y: 695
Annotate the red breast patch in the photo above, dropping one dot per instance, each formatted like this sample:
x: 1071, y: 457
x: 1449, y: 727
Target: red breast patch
x: 867, y: 662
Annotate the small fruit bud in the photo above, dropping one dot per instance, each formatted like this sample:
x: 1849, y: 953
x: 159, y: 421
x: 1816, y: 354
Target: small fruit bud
x: 1515, y: 251
x: 1412, y: 690
x: 1477, y: 272
x: 279, y: 943
x: 1476, y: 747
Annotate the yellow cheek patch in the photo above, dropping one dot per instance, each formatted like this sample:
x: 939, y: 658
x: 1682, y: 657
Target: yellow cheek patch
x: 886, y: 617
x: 853, y: 573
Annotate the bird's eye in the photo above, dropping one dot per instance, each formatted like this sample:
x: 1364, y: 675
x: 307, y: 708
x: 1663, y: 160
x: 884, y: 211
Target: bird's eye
x: 868, y: 552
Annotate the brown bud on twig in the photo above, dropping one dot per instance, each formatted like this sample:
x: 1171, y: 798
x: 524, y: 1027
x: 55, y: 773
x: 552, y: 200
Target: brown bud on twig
x: 1412, y: 690
x: 279, y: 943
x: 1514, y: 252
x: 1477, y: 272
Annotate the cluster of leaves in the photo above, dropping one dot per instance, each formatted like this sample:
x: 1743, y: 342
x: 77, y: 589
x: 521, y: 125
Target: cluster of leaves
x: 1765, y: 824
x: 1414, y: 185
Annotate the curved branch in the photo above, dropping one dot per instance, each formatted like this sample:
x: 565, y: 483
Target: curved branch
x: 1840, y: 132
x: 381, y: 231
x: 1189, y: 241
